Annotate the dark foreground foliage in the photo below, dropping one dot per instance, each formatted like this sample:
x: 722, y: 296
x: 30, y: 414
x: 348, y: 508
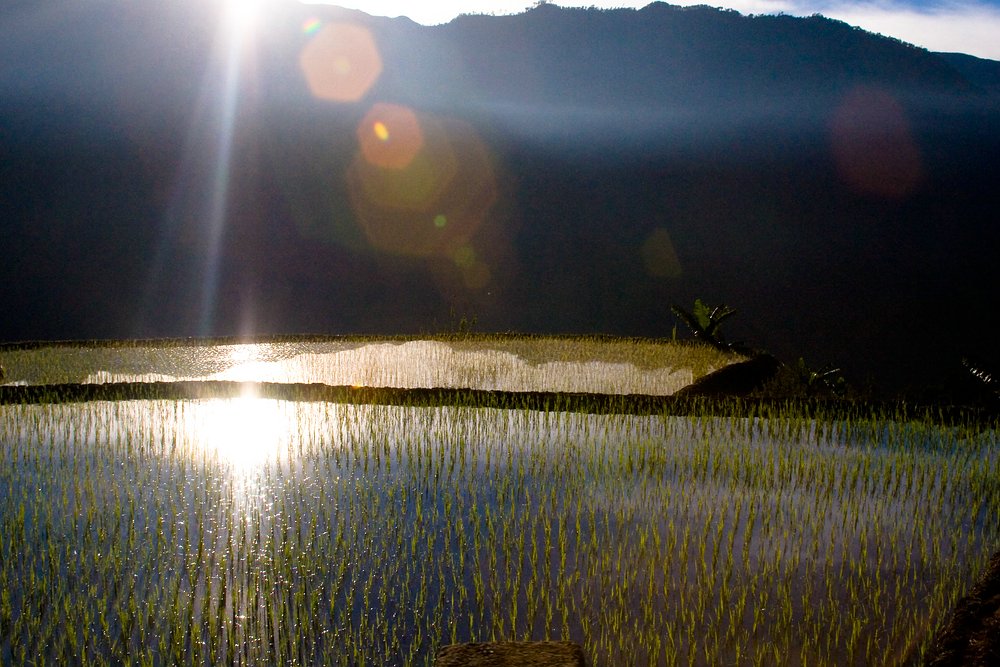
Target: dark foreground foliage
x: 972, y: 637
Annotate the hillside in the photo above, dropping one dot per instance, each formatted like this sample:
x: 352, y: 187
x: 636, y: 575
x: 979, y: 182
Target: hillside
x: 588, y: 169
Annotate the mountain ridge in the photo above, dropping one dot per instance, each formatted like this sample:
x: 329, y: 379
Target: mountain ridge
x: 822, y: 51
x: 693, y: 55
x: 834, y: 186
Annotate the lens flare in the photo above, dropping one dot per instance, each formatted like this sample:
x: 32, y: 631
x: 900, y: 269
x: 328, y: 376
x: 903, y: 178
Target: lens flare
x: 311, y: 26
x: 465, y: 256
x: 341, y: 62
x: 390, y: 136
x: 426, y: 189
x: 872, y: 145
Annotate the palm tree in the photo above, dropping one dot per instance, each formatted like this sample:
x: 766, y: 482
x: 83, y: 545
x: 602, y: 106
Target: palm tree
x: 825, y: 381
x: 704, y: 322
x: 983, y: 374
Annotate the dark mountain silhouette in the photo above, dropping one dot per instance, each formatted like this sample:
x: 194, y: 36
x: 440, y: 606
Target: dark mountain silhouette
x: 836, y: 187
x: 980, y: 72
x: 665, y: 55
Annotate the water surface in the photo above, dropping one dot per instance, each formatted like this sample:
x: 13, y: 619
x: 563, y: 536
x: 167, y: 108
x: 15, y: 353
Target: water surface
x: 411, y: 364
x: 272, y: 532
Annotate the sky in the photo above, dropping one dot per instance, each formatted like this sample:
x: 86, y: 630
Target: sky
x: 938, y: 25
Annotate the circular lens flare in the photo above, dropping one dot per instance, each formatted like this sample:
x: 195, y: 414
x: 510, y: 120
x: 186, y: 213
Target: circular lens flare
x: 341, y: 62
x: 390, y: 136
x: 425, y: 190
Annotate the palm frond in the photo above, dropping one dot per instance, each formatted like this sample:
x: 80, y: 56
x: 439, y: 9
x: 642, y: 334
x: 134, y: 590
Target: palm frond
x: 982, y: 374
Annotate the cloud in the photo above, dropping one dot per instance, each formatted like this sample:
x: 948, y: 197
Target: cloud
x: 965, y: 28
x: 431, y: 13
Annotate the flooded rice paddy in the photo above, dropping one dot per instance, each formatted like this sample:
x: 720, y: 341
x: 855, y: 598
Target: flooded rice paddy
x: 496, y: 363
x: 251, y: 531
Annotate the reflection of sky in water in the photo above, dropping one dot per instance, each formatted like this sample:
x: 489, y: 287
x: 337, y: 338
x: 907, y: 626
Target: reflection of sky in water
x: 414, y: 364
x: 513, y: 365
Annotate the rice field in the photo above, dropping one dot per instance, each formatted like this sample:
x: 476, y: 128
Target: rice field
x: 507, y: 363
x: 253, y: 531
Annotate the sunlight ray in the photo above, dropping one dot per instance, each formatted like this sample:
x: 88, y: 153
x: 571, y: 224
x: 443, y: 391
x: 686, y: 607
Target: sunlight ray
x: 237, y: 29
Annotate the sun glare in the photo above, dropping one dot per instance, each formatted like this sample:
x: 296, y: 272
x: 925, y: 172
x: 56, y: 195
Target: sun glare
x: 245, y: 433
x: 242, y: 14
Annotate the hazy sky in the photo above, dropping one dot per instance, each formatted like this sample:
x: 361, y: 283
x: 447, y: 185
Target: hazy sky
x: 940, y: 25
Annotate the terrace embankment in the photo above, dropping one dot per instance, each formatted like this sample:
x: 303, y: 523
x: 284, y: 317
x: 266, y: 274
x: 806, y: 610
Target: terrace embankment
x: 971, y: 638
x: 738, y: 379
x: 634, y: 404
x: 508, y: 654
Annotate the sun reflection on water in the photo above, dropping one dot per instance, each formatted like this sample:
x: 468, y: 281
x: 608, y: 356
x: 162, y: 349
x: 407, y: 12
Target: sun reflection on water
x: 245, y: 434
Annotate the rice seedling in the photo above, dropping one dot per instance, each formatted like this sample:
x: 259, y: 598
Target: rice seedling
x: 518, y: 363
x: 257, y: 531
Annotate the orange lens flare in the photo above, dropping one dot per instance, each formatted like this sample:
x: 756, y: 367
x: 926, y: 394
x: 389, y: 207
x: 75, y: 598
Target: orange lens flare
x: 341, y: 62
x: 390, y: 136
x: 425, y: 189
